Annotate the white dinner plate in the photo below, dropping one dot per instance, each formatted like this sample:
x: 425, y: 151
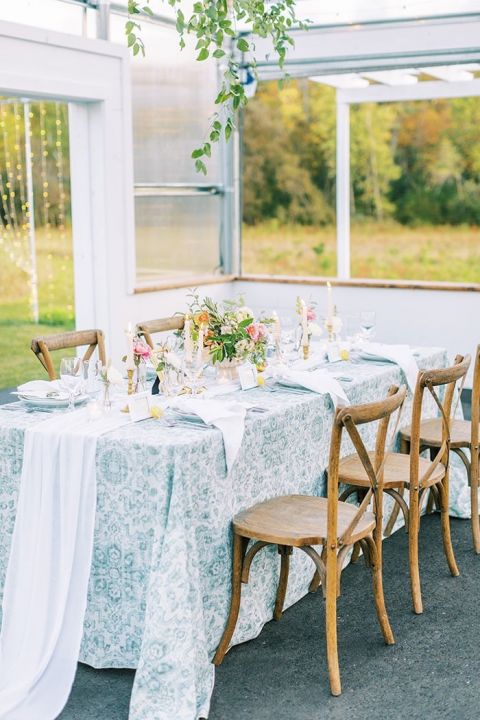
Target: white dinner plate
x: 54, y: 402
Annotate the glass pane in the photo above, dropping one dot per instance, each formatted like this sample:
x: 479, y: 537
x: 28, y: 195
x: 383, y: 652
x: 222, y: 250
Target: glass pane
x: 36, y: 265
x: 289, y: 180
x: 415, y: 211
x: 173, y: 98
x: 50, y: 14
x: 363, y: 10
x: 177, y: 236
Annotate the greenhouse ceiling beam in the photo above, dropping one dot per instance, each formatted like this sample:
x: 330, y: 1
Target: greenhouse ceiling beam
x: 428, y: 90
x: 376, y: 46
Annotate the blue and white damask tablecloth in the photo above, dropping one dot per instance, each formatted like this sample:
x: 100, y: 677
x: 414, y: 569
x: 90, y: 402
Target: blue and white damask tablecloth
x: 159, y: 589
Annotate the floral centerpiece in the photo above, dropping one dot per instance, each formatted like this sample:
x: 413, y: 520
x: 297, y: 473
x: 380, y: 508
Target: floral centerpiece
x: 230, y: 332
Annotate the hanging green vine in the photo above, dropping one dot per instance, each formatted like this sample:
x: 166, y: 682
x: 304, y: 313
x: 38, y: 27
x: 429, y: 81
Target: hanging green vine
x: 215, y: 25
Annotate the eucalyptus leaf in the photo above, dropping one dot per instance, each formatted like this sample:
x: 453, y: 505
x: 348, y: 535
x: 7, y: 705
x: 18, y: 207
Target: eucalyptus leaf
x: 213, y: 23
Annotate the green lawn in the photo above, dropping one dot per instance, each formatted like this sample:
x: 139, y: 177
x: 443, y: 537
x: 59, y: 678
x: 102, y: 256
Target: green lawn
x: 55, y: 271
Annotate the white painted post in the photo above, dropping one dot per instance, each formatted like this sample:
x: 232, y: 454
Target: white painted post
x: 31, y: 216
x: 343, y: 190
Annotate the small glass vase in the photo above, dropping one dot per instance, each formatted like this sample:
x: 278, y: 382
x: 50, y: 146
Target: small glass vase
x: 107, y: 400
x: 141, y: 377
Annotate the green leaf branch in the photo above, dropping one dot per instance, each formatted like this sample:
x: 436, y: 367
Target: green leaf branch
x: 214, y: 24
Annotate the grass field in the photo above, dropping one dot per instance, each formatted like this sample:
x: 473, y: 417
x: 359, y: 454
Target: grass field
x: 378, y: 250
x: 55, y: 272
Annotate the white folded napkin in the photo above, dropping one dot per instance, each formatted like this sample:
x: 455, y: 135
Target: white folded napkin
x: 319, y: 381
x: 401, y: 355
x: 228, y: 417
x: 46, y: 584
x: 42, y: 389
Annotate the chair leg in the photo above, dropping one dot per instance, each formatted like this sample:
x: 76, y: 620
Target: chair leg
x: 239, y: 548
x: 474, y: 505
x: 284, y: 551
x: 405, y: 450
x: 414, y: 528
x: 431, y: 499
x: 331, y: 631
x: 355, y: 553
x: 445, y: 517
x: 380, y: 607
x: 393, y: 515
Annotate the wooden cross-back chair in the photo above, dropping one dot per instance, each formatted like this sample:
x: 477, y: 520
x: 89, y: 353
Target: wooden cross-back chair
x: 43, y: 345
x: 416, y: 474
x: 464, y: 435
x: 149, y: 327
x: 301, y: 521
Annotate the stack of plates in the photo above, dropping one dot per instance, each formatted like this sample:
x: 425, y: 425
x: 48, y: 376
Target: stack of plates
x: 52, y: 399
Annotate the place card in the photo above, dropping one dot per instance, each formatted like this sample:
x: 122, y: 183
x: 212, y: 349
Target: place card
x: 333, y: 353
x: 247, y: 374
x: 139, y: 406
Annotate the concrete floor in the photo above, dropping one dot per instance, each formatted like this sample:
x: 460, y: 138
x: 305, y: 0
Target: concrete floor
x: 432, y: 672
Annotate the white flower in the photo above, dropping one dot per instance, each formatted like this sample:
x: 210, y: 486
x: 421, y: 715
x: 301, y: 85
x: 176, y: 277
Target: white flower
x: 314, y: 329
x: 243, y: 313
x: 114, y: 376
x: 242, y: 347
x: 226, y: 330
x: 172, y: 359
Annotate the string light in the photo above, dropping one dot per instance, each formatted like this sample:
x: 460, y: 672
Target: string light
x: 11, y: 237
x: 61, y: 189
x: 44, y: 154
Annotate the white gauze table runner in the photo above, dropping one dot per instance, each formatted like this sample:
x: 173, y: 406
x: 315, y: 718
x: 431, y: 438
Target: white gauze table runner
x: 45, y: 593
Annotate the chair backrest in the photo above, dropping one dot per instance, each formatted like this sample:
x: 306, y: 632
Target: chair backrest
x: 44, y: 344
x: 149, y: 327
x: 348, y: 419
x: 430, y: 380
x: 475, y: 404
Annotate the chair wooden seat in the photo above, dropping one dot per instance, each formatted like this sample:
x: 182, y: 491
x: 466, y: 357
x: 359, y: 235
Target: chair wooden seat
x: 431, y: 433
x: 396, y: 470
x: 297, y: 520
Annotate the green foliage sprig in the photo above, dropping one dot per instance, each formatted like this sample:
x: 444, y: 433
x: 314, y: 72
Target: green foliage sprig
x: 215, y: 23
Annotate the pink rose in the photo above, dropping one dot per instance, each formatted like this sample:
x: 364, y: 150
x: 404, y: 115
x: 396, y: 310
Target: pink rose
x: 252, y: 330
x: 262, y: 330
x: 311, y: 315
x: 141, y: 349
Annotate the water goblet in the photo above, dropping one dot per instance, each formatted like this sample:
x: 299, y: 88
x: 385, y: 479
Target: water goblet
x: 192, y: 370
x: 367, y: 324
x: 71, y: 378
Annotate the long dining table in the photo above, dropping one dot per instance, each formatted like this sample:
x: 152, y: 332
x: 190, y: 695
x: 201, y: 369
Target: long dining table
x: 159, y: 588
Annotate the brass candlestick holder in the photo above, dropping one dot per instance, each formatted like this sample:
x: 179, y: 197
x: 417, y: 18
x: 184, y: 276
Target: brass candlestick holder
x: 306, y: 351
x: 329, y: 329
x: 130, y: 389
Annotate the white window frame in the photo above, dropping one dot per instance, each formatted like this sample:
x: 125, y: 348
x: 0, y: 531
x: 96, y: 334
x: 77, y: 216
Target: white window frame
x: 378, y: 94
x: 93, y: 76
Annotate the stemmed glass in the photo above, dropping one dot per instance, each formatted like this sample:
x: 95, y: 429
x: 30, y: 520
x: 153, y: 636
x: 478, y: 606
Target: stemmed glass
x: 192, y: 370
x: 367, y: 324
x: 92, y: 372
x: 172, y: 383
x: 71, y: 378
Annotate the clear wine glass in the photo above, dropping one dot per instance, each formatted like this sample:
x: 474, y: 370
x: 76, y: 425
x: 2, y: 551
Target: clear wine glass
x: 172, y: 382
x: 367, y: 324
x: 92, y: 384
x: 71, y: 378
x: 192, y: 370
